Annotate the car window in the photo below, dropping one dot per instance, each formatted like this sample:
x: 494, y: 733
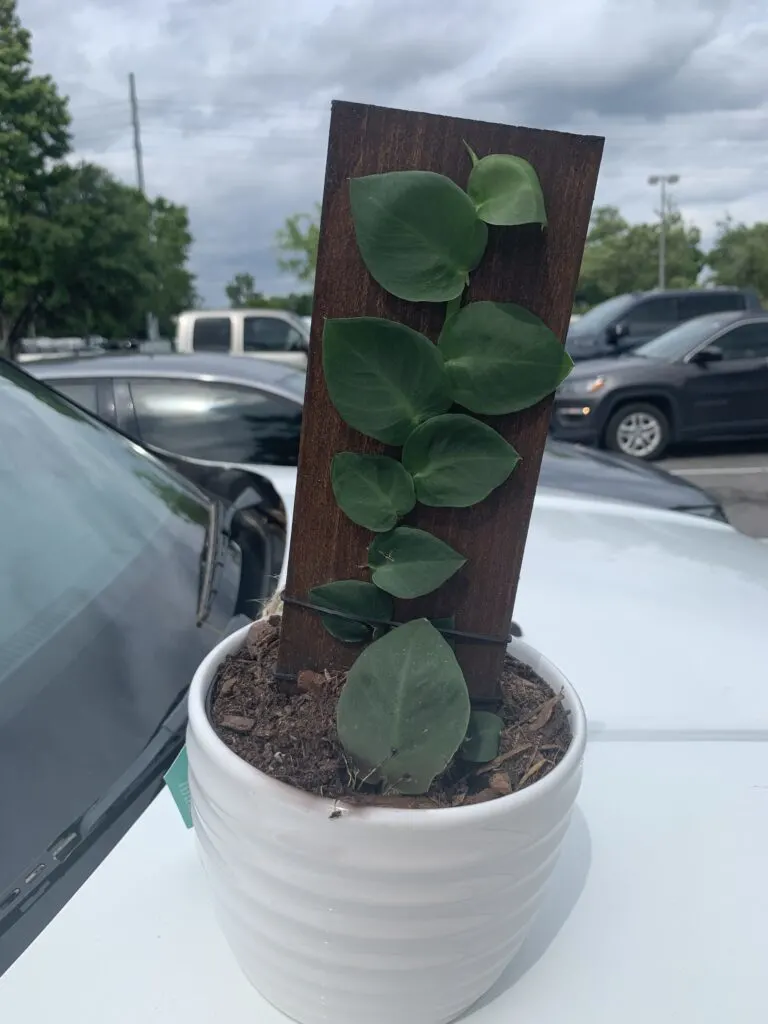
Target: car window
x: 652, y: 311
x: 81, y: 391
x: 677, y: 343
x: 217, y: 422
x: 98, y: 543
x: 704, y: 302
x: 600, y: 316
x: 268, y: 334
x: 211, y: 334
x: 748, y: 341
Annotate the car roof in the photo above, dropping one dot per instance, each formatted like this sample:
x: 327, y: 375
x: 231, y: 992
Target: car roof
x: 177, y: 364
x: 720, y: 290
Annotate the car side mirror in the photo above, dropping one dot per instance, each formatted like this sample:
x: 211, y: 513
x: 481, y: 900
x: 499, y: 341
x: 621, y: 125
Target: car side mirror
x: 705, y: 356
x: 616, y: 332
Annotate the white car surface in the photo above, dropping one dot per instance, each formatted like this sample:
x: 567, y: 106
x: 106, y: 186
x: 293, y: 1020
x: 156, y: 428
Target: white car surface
x: 657, y: 910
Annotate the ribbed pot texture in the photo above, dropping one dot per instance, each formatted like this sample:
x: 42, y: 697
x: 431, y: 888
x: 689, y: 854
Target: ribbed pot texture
x: 379, y: 915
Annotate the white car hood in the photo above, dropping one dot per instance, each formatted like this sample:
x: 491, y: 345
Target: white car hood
x: 658, y: 906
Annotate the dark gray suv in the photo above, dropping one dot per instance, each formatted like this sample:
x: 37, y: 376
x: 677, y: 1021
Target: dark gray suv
x: 705, y: 380
x: 628, y: 321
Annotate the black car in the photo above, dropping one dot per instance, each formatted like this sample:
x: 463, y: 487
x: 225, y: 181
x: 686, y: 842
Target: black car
x: 117, y: 576
x: 627, y: 321
x: 211, y: 410
x: 705, y: 380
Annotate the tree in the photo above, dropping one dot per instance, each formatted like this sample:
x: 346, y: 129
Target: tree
x: 740, y: 256
x: 298, y: 239
x: 174, y: 284
x: 621, y: 257
x: 96, y: 264
x: 241, y: 292
x: 34, y: 139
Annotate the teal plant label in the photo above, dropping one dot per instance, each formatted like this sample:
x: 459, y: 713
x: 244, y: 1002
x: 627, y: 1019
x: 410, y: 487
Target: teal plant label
x: 177, y: 781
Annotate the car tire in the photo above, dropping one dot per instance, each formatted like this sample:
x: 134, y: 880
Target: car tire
x: 638, y: 429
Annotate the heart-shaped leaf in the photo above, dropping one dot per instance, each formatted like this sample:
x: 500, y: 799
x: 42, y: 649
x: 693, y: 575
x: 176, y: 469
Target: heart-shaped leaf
x: 410, y: 563
x: 456, y: 461
x: 500, y: 358
x: 373, y: 490
x: 354, y: 597
x: 383, y: 378
x: 404, y: 709
x: 506, y: 190
x: 481, y: 743
x: 418, y: 233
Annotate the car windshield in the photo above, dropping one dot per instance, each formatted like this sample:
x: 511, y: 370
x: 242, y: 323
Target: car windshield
x: 601, y: 315
x: 677, y: 343
x: 99, y: 542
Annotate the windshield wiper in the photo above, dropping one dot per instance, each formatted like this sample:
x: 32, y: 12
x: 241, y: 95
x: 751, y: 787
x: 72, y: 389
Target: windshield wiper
x: 212, y: 560
x: 148, y: 766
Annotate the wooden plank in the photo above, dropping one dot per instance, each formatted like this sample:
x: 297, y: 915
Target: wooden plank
x: 524, y: 265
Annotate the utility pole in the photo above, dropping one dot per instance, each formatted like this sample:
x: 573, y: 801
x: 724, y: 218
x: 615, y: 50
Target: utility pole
x: 662, y: 180
x: 151, y: 319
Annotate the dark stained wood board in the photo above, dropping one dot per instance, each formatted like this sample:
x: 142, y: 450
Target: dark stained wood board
x: 537, y: 269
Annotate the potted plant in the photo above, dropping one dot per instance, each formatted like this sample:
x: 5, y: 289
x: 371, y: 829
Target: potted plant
x: 376, y: 841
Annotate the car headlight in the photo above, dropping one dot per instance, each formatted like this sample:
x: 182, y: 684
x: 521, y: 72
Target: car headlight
x: 581, y: 386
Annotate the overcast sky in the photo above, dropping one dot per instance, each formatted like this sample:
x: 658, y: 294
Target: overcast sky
x: 235, y: 96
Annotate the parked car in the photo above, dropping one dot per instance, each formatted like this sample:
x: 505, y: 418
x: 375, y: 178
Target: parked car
x: 656, y: 907
x: 269, y: 333
x: 248, y: 412
x: 117, y: 576
x: 705, y: 380
x: 627, y: 321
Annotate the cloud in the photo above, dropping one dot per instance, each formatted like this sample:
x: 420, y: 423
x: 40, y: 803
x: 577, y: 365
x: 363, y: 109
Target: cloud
x: 235, y: 96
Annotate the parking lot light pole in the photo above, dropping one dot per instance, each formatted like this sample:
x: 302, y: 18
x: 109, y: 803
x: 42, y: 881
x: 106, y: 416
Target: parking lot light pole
x: 663, y: 180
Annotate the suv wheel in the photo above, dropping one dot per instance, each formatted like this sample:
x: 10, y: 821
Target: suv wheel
x: 639, y: 429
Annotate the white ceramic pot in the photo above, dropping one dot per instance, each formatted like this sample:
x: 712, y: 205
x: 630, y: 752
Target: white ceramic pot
x: 380, y: 915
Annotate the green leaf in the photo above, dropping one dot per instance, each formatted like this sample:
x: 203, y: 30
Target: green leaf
x: 410, y: 563
x: 383, y: 378
x: 500, y: 358
x: 418, y: 233
x: 506, y: 190
x: 355, y: 598
x: 456, y: 461
x: 481, y: 743
x: 404, y: 709
x: 448, y: 622
x: 374, y: 491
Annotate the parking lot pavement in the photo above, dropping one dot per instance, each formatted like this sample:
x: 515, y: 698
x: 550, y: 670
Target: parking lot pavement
x: 737, y: 475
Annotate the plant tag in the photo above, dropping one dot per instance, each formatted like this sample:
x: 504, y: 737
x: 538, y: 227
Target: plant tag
x: 177, y: 781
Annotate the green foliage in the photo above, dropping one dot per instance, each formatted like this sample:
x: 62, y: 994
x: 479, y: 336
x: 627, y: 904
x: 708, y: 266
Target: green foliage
x: 374, y: 491
x: 383, y: 378
x: 506, y: 191
x: 481, y: 743
x: 241, y: 293
x: 409, y: 563
x: 456, y: 461
x: 620, y: 257
x: 740, y: 256
x: 297, y: 240
x: 354, y: 597
x: 404, y: 709
x: 418, y: 233
x: 500, y: 358
x: 80, y: 253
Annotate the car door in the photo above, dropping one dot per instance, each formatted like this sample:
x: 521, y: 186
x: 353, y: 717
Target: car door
x: 219, y: 422
x: 648, y: 319
x: 274, y: 338
x: 729, y: 396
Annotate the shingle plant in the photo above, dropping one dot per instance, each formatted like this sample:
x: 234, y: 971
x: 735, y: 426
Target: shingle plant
x: 404, y: 712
